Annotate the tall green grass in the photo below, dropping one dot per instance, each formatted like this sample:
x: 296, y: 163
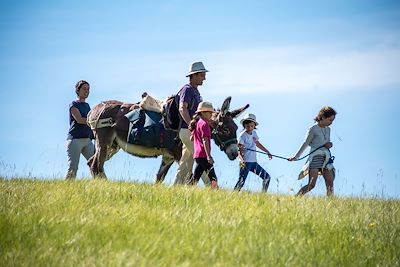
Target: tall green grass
x: 100, y: 223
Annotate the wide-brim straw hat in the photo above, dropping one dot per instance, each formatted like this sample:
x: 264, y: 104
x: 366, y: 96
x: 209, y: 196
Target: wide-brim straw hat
x: 205, y: 106
x: 196, y: 67
x: 249, y: 117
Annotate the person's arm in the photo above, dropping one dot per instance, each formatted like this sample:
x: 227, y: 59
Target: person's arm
x: 260, y: 146
x: 241, y: 147
x: 77, y: 116
x: 329, y: 144
x: 206, y: 144
x: 303, y: 147
x: 241, y: 152
x: 183, y: 110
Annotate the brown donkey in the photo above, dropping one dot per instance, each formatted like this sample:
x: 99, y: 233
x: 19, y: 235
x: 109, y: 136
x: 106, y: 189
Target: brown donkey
x: 110, y: 127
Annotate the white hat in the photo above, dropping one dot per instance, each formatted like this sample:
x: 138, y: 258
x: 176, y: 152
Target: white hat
x: 249, y: 117
x: 196, y: 67
x: 204, y: 106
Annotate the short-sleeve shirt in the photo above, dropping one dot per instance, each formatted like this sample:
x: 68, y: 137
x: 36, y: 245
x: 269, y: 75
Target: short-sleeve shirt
x: 249, y: 142
x: 190, y: 95
x: 202, y: 131
x: 77, y: 130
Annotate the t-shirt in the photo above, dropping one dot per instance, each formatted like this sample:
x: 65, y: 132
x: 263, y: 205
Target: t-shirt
x: 202, y: 131
x: 249, y: 141
x: 190, y: 95
x: 77, y: 130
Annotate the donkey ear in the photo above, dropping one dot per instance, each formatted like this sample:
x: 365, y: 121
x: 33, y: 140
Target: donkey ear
x: 225, y: 106
x: 239, y: 111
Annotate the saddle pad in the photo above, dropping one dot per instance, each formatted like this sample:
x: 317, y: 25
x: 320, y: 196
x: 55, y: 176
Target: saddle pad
x: 146, y: 129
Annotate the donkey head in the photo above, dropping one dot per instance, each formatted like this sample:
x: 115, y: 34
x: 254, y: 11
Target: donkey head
x: 224, y: 129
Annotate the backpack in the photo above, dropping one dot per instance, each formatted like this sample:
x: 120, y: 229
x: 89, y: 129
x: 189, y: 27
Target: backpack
x: 171, y: 118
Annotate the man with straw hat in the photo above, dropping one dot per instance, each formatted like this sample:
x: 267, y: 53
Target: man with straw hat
x: 190, y: 98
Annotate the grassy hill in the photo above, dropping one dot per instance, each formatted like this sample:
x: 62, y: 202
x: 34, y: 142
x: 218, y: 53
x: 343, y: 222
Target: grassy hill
x: 100, y: 223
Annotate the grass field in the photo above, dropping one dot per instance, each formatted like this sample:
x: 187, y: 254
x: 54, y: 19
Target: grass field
x: 100, y: 223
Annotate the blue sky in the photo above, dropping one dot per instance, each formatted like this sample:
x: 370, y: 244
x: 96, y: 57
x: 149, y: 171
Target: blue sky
x: 286, y: 59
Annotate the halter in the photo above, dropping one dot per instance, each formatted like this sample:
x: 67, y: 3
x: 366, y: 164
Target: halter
x: 219, y: 142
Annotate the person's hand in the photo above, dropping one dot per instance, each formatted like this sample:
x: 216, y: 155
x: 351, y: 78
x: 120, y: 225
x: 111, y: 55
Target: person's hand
x: 328, y: 145
x: 242, y: 164
x: 292, y: 159
x: 240, y: 147
x: 210, y: 160
x: 269, y: 155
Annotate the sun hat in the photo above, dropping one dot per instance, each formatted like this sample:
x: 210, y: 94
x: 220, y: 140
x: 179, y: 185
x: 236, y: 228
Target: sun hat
x: 196, y: 67
x: 204, y: 106
x: 249, y: 117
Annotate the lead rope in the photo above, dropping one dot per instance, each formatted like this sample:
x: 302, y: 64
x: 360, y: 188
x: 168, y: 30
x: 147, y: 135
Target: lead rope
x: 284, y: 157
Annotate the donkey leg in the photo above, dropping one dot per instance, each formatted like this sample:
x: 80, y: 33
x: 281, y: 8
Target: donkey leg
x: 96, y: 163
x: 166, y: 163
x: 101, y: 159
x: 92, y: 165
x: 104, y: 142
x: 93, y: 161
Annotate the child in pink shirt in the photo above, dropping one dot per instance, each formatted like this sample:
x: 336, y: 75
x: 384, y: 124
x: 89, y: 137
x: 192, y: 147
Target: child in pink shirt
x: 201, y: 136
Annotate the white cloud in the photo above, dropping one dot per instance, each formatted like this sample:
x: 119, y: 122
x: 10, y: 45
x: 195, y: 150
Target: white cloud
x: 237, y: 72
x: 294, y: 69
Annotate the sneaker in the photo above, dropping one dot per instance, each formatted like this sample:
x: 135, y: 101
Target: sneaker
x: 214, y: 184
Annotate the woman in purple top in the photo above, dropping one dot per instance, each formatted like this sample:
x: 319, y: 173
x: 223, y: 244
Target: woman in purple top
x: 189, y: 99
x: 79, y: 140
x: 201, y: 136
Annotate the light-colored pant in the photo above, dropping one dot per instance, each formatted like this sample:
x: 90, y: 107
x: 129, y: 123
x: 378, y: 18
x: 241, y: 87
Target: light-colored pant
x: 74, y: 149
x: 185, y: 164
